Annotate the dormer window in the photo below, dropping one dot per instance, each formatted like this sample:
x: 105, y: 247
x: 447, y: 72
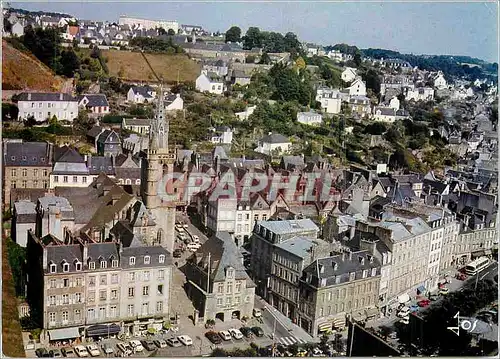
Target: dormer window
x: 131, y: 261
x: 91, y: 265
x: 78, y: 266
x: 65, y: 266
x: 53, y: 268
x: 24, y: 158
x: 114, y: 263
x: 230, y: 272
x: 104, y: 264
x: 161, y: 259
x: 147, y: 259
x: 13, y: 158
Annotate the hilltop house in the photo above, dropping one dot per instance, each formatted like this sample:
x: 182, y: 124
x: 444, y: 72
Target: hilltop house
x: 174, y: 102
x: 210, y: 82
x: 349, y: 74
x: 357, y: 88
x: 141, y: 94
x: 97, y: 104
x: 273, y: 142
x: 42, y: 106
x: 309, y: 118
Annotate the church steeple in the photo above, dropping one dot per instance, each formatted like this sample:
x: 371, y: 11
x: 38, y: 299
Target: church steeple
x: 159, y: 128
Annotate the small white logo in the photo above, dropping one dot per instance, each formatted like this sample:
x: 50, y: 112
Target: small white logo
x: 467, y: 324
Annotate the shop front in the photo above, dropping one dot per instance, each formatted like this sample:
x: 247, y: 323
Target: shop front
x: 64, y: 336
x: 103, y: 330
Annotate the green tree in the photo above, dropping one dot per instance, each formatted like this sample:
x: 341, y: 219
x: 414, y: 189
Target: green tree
x: 265, y: 59
x: 44, y: 44
x: 171, y: 32
x: 17, y: 262
x: 233, y: 34
x: 357, y: 58
x: 69, y: 63
x: 7, y: 26
x: 252, y: 38
x: 372, y: 80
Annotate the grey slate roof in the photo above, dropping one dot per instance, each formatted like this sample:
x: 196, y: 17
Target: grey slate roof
x: 46, y: 97
x: 101, y: 251
x: 25, y: 212
x: 137, y: 122
x: 292, y: 226
x: 298, y: 246
x: 95, y: 131
x: 100, y: 164
x: 59, y: 254
x: 26, y: 154
x: 108, y: 136
x: 139, y: 252
x: 95, y: 100
x: 143, y: 90
x: 275, y: 138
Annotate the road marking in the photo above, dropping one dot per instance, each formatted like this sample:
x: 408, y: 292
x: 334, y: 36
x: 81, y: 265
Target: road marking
x: 484, y: 275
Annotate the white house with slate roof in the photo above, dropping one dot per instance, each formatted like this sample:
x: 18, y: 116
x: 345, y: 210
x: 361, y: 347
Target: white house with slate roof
x: 174, y: 102
x: 23, y: 219
x: 349, y: 74
x: 141, y: 94
x: 273, y: 142
x: 70, y: 169
x: 43, y: 106
x: 210, y: 82
x: 218, y: 284
x: 389, y: 114
x: 139, y: 125
x: 95, y: 103
x: 357, y: 88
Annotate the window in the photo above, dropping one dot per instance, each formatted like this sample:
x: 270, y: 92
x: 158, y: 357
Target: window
x: 229, y: 300
x: 78, y: 297
x: 78, y: 266
x: 264, y: 217
x: 130, y: 309
x: 45, y: 172
x: 39, y: 105
x: 114, y: 294
x: 79, y: 282
x: 65, y: 299
x: 75, y: 179
x: 65, y: 316
x: 65, y: 179
x: 91, y: 265
x: 65, y: 267
x: 229, y: 289
x: 145, y: 290
x: 24, y: 183
x: 131, y: 292
x: 91, y: 281
x: 25, y: 171
x: 238, y: 287
x: 131, y: 276
x: 145, y: 308
x: 159, y: 307
x: 240, y: 217
x: 78, y: 315
x: 53, y: 268
x: 160, y: 289
x: 352, y: 275
x: 131, y: 261
x: 219, y: 302
x: 56, y: 179
x: 102, y: 312
x: 91, y: 297
x: 103, y: 279
x: 112, y: 311
x: 114, y: 263
x: 161, y: 259
x: 13, y: 184
x: 52, y: 318
x: 104, y: 264
x: 52, y: 300
x: 365, y: 273
x: 161, y: 274
x: 45, y: 184
x: 147, y: 259
x: 220, y: 288
x: 84, y: 179
x: 146, y: 275
x: 114, y: 278
x: 65, y: 283
x: 102, y: 295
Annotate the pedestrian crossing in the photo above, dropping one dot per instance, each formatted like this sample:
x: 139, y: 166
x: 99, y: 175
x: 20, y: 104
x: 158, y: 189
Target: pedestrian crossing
x: 291, y: 340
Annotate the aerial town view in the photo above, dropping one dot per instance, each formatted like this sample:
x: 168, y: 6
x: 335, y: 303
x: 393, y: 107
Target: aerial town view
x: 249, y: 179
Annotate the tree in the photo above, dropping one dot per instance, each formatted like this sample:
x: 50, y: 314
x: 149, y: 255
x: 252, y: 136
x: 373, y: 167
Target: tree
x: 233, y: 34
x: 44, y: 44
x: 372, y: 80
x: 300, y: 63
x: 265, y: 59
x: 357, y: 58
x: 252, y: 38
x: 69, y: 63
x: 250, y: 59
x: 30, y: 121
x: 7, y: 26
x: 171, y: 32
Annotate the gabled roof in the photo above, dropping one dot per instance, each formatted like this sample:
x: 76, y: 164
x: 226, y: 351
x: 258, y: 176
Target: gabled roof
x: 143, y: 90
x: 108, y: 136
x: 67, y: 154
x: 45, y: 97
x: 95, y: 131
x: 94, y: 100
x: 26, y: 154
x: 275, y: 138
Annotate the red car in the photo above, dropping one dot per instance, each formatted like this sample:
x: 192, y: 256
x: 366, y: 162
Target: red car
x: 461, y: 276
x: 424, y: 303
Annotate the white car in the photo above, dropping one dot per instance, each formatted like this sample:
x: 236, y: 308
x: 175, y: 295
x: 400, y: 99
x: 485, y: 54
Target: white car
x: 185, y: 339
x: 107, y: 349
x: 185, y: 226
x: 93, y: 350
x: 257, y: 312
x: 236, y: 333
x: 404, y: 312
x: 136, y: 346
x: 225, y: 335
x: 196, y: 239
x: 193, y: 247
x: 405, y: 320
x: 81, y: 351
x: 178, y: 226
x: 124, y: 348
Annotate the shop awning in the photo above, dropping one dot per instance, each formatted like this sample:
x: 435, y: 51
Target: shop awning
x: 323, y: 327
x: 339, y: 322
x: 404, y: 298
x: 487, y: 252
x: 64, y: 333
x: 102, y: 330
x: 359, y: 316
x: 421, y: 289
x: 371, y: 312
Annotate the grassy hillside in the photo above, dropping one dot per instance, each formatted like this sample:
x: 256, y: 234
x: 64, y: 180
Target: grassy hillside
x: 23, y: 71
x: 130, y: 66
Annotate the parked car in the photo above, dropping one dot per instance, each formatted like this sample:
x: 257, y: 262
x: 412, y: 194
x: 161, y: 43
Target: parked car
x: 433, y: 297
x: 148, y: 345
x: 160, y: 343
x: 185, y: 225
x: 247, y: 332
x: 185, y: 339
x: 258, y: 331
x: 81, y: 351
x: 93, y: 350
x: 55, y: 353
x: 196, y: 239
x: 179, y: 227
x: 393, y: 335
x: 68, y: 352
x: 124, y: 348
x: 257, y: 312
x: 174, y: 342
x: 403, y: 312
x: 107, y: 349
x: 225, y: 335
x: 42, y: 353
x: 177, y: 253
x: 444, y: 290
x: 236, y: 333
x: 405, y: 320
x: 214, y: 337
x: 424, y: 303
x: 193, y: 247
x: 316, y: 352
x: 136, y: 346
x: 461, y: 276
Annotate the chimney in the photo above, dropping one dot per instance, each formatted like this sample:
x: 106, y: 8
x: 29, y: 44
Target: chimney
x: 350, y: 255
x: 361, y: 260
x: 343, y: 256
x: 61, y: 96
x: 113, y: 160
x: 29, y: 96
x: 89, y: 160
x: 85, y: 251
